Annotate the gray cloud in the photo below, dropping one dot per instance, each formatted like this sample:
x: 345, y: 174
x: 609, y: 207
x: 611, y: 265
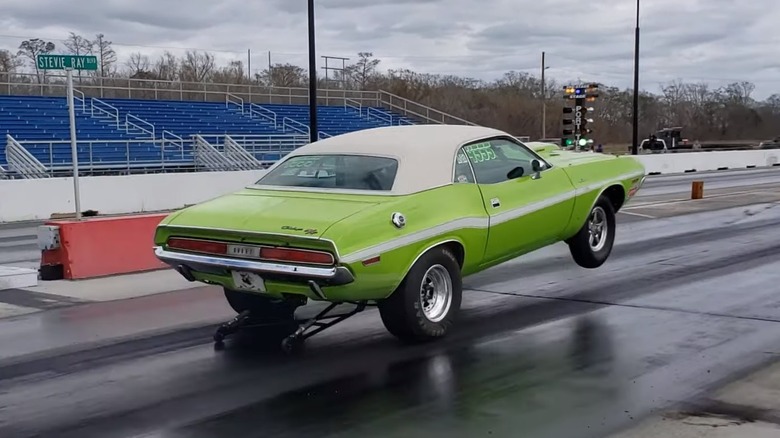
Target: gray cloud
x: 715, y: 41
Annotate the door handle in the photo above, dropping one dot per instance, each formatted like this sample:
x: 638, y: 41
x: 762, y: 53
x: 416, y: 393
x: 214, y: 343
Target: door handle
x: 495, y: 202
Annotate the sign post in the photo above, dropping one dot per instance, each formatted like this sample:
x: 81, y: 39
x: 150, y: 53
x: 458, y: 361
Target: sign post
x: 70, y: 63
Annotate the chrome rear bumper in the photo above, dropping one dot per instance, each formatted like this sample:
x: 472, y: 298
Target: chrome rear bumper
x: 186, y: 262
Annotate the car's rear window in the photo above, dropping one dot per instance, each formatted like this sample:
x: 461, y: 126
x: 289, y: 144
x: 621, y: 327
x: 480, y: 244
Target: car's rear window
x: 352, y: 172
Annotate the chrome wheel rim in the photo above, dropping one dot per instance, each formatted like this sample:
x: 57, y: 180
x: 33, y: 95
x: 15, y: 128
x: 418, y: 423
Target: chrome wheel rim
x: 436, y: 293
x: 597, y: 229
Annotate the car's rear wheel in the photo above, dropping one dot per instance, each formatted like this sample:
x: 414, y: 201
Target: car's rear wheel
x: 427, y: 301
x: 276, y: 317
x: 592, y: 244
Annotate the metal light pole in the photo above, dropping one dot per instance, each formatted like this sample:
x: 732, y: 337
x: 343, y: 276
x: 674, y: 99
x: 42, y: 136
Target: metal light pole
x: 544, y: 101
x: 635, y: 121
x: 312, y: 78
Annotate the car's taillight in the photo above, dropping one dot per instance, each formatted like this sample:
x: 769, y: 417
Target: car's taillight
x: 197, y: 245
x: 297, y: 256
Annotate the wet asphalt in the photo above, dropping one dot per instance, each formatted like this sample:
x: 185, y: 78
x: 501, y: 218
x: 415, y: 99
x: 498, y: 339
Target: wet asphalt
x: 543, y: 349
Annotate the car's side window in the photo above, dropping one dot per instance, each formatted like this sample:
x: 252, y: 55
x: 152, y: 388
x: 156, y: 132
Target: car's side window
x: 498, y: 160
x: 463, y: 172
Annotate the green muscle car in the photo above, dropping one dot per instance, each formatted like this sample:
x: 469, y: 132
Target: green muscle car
x: 395, y: 217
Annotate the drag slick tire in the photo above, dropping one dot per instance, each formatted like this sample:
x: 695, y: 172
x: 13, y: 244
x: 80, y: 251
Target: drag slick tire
x: 592, y: 244
x: 425, y: 304
x: 276, y: 315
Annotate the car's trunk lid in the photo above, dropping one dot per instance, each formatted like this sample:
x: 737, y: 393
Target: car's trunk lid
x: 268, y: 217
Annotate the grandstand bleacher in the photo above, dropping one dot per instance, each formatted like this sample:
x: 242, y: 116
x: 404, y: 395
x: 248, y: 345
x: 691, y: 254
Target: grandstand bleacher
x: 120, y: 135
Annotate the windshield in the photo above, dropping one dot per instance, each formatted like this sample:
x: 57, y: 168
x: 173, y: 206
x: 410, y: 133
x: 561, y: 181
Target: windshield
x: 351, y: 172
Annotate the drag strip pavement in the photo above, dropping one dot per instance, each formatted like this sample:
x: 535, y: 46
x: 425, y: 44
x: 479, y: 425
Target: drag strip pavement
x: 542, y: 346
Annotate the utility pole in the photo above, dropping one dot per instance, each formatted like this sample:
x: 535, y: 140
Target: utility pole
x: 544, y: 103
x: 312, y: 78
x: 635, y: 110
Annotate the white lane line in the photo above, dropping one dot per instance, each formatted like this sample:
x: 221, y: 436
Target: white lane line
x: 647, y: 216
x: 676, y: 201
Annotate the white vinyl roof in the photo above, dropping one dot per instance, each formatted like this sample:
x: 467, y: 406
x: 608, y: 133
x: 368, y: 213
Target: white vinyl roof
x: 425, y: 153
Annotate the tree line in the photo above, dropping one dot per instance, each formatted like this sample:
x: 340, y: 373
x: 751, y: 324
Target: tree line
x: 512, y: 102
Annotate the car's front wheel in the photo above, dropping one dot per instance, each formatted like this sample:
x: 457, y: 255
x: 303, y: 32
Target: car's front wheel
x: 592, y: 244
x: 426, y: 303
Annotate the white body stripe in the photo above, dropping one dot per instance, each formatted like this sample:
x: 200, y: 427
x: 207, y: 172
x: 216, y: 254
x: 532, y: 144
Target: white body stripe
x: 478, y: 222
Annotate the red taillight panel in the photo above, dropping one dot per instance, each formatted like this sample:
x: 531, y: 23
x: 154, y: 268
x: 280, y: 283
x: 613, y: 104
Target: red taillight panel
x: 266, y: 253
x: 297, y: 256
x: 198, y: 245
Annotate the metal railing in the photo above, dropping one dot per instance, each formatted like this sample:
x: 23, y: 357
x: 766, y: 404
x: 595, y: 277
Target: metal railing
x: 103, y: 110
x: 136, y: 124
x: 259, y: 111
x: 288, y: 123
x: 169, y: 138
x: 235, y: 100
x: 242, y: 159
x: 128, y: 88
x: 408, y: 107
x: 323, y: 134
x: 209, y: 157
x: 21, y: 161
x: 104, y: 157
x: 261, y: 143
x: 354, y: 104
x: 377, y: 114
x: 79, y: 99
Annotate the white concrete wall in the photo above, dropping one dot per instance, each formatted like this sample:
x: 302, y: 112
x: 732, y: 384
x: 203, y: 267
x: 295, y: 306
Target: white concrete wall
x: 35, y: 199
x: 702, y: 161
x: 40, y: 198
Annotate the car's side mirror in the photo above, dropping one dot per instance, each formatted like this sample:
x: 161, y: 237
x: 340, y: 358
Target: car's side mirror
x: 537, y: 167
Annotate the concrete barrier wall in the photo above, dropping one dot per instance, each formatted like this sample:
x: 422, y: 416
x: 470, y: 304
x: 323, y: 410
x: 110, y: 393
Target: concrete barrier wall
x: 704, y: 161
x: 38, y: 199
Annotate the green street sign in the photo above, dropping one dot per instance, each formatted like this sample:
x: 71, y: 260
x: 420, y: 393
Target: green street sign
x: 63, y: 62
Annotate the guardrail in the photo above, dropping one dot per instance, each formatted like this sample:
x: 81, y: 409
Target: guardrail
x: 354, y: 104
x: 97, y: 157
x: 103, y: 110
x: 169, y: 138
x: 79, y: 99
x: 408, y: 107
x: 112, y: 87
x: 375, y: 113
x: 242, y: 159
x: 235, y: 100
x: 288, y: 123
x: 132, y: 125
x: 259, y: 111
x: 21, y: 161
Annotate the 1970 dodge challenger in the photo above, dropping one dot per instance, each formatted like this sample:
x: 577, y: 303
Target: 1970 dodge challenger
x: 395, y: 217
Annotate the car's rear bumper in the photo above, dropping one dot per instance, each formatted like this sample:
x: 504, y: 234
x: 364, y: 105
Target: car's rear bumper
x: 186, y: 263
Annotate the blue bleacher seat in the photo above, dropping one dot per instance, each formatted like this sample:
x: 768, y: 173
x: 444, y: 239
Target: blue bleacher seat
x: 41, y: 125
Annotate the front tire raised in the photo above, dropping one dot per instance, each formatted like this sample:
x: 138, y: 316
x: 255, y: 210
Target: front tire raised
x: 592, y: 245
x: 425, y: 305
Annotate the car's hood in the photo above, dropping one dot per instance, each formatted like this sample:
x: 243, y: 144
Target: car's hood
x: 266, y: 211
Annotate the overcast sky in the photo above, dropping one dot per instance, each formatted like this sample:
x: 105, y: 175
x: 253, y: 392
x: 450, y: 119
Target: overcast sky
x: 716, y: 41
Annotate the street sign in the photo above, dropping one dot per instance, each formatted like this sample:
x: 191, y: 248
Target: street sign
x: 70, y: 63
x: 65, y: 62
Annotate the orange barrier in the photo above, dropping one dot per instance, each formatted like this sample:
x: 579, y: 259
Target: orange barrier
x: 97, y: 247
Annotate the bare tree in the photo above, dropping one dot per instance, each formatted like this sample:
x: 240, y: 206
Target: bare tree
x: 283, y: 75
x: 78, y: 45
x: 137, y: 64
x: 197, y: 67
x: 31, y: 48
x: 106, y: 55
x: 363, y: 71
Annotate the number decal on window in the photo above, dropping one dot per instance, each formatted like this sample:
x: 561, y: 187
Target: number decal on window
x: 480, y: 152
